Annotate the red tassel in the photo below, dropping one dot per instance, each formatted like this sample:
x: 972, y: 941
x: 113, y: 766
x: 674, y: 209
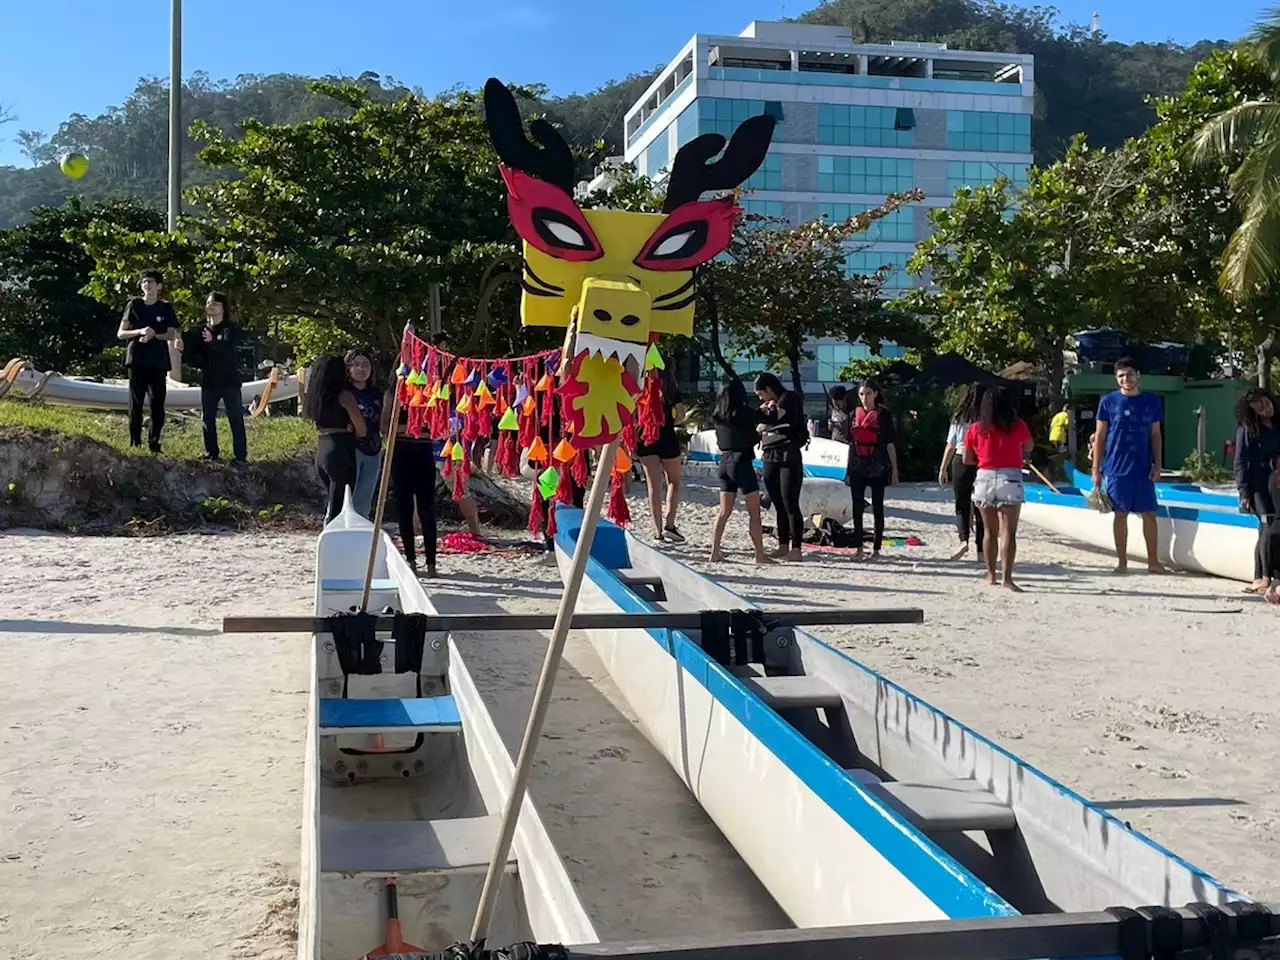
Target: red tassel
x: 535, y: 511
x: 579, y: 469
x: 628, y: 436
x: 471, y: 422
x: 619, y: 510
x: 508, y: 456
x: 459, y: 482
x: 564, y: 487
x: 650, y: 406
x: 551, y: 520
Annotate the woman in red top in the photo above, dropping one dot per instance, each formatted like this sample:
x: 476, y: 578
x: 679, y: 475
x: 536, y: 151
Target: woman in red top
x: 997, y: 444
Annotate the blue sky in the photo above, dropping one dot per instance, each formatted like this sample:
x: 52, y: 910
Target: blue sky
x: 59, y: 57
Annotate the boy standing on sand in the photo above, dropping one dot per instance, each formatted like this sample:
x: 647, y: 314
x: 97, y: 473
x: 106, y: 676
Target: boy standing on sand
x: 148, y: 325
x: 1127, y: 453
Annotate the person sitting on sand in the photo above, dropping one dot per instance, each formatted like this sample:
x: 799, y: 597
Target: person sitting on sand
x: 997, y: 444
x: 339, y: 424
x: 735, y: 423
x: 1257, y: 469
x: 784, y: 435
x: 1128, y: 451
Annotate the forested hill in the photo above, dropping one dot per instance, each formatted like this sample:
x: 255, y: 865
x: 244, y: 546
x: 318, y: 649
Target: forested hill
x: 1085, y: 83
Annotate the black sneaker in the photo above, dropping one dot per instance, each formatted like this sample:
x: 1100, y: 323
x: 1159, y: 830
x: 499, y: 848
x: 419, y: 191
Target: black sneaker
x: 673, y: 535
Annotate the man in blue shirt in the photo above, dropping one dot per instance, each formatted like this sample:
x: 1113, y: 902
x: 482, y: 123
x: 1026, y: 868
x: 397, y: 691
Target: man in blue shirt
x: 1128, y: 450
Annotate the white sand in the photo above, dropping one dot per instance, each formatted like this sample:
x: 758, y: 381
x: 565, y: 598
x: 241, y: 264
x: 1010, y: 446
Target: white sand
x: 150, y: 768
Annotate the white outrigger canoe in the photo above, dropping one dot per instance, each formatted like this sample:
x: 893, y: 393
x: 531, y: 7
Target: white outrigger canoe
x: 405, y: 778
x: 853, y: 801
x: 821, y: 457
x: 1200, y: 535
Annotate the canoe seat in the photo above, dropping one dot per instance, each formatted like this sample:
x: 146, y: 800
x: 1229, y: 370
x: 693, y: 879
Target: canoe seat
x: 650, y: 583
x: 943, y: 806
x: 747, y: 670
x: 783, y: 693
x: 342, y: 585
x: 387, y: 847
x: 389, y: 715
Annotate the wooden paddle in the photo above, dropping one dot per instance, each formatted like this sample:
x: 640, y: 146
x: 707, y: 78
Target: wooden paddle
x: 1043, y: 479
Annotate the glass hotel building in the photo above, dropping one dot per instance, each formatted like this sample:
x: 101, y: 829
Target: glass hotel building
x: 855, y: 122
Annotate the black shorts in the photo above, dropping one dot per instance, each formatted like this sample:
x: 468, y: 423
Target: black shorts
x: 667, y: 446
x: 738, y: 473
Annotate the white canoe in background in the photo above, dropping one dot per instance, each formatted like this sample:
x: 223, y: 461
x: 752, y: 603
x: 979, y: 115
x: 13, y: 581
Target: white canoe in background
x: 850, y: 799
x: 1191, y: 494
x: 91, y: 394
x: 822, y: 458
x: 1207, y: 540
x: 413, y: 789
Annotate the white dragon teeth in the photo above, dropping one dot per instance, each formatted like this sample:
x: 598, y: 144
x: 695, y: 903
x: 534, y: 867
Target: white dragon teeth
x: 623, y: 350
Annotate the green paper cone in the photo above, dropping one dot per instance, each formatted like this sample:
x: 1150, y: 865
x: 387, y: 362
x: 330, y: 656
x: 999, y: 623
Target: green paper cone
x: 548, y: 480
x: 508, y: 421
x: 653, y: 359
x: 458, y: 452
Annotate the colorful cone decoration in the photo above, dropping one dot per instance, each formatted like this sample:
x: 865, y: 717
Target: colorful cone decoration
x: 458, y: 453
x: 622, y: 462
x: 447, y: 452
x: 544, y: 383
x: 484, y: 396
x: 472, y: 379
x: 465, y: 403
x: 538, y: 452
x: 508, y: 421
x: 548, y: 480
x: 530, y: 406
x: 653, y: 359
x: 522, y: 394
x: 564, y: 452
x: 404, y: 370
x: 458, y: 375
x: 497, y: 377
x: 442, y: 392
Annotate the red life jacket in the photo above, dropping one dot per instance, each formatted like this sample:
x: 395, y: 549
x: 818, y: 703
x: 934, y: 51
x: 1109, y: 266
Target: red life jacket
x: 865, y: 432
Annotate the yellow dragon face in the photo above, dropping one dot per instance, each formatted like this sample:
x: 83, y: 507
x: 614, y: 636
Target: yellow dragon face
x: 614, y: 278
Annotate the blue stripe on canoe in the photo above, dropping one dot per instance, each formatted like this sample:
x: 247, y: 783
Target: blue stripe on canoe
x: 952, y: 888
x: 339, y: 583
x: 1071, y: 497
x: 388, y: 713
x: 1174, y: 493
x: 834, y: 473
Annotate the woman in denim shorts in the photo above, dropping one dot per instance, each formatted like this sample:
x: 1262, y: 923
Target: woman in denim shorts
x: 996, y: 444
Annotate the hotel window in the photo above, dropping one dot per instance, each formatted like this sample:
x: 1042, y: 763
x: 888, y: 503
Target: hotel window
x: 655, y: 157
x: 867, y: 262
x: 897, y: 227
x: 763, y: 208
x: 687, y: 125
x: 977, y: 173
x: 718, y: 115
x: 769, y: 174
x: 989, y: 132
x: 875, y: 175
x: 832, y: 357
x: 846, y: 125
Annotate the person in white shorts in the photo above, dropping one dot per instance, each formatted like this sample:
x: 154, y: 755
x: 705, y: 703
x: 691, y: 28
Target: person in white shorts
x: 997, y: 443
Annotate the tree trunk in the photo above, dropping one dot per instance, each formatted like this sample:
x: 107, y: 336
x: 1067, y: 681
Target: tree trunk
x: 793, y: 358
x: 706, y: 287
x: 1267, y: 351
x: 1055, y: 369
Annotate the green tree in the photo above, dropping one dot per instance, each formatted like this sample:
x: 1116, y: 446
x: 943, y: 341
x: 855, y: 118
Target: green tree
x: 44, y: 316
x: 339, y: 224
x: 781, y: 286
x: 1235, y: 151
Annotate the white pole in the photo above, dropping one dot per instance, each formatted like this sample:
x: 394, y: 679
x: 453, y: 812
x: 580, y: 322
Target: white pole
x: 542, y: 696
x: 175, y: 146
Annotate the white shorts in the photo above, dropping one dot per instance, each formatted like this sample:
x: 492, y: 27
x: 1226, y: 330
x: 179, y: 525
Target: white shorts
x: 998, y: 488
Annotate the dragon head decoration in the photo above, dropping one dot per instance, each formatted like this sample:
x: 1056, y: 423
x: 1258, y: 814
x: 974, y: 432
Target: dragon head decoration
x: 614, y: 278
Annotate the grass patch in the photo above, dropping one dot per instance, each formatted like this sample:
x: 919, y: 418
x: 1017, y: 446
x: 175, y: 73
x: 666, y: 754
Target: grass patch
x: 271, y: 439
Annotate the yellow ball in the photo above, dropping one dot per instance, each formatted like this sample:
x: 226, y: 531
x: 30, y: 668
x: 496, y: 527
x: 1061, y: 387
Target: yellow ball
x: 74, y: 165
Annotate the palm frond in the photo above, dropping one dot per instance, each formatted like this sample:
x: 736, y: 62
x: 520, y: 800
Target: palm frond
x: 1239, y: 128
x: 1265, y: 38
x: 1251, y: 264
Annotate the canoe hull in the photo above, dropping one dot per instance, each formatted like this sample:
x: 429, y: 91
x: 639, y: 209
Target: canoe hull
x: 89, y: 394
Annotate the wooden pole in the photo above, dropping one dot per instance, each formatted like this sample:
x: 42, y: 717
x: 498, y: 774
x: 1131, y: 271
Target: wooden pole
x: 542, y: 695
x: 383, y: 482
x: 1043, y: 479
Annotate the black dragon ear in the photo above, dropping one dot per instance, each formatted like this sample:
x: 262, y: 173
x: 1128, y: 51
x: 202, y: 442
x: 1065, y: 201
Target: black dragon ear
x: 692, y: 175
x: 550, y: 162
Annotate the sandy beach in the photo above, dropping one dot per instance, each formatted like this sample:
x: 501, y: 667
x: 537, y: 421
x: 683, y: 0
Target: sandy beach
x: 150, y: 768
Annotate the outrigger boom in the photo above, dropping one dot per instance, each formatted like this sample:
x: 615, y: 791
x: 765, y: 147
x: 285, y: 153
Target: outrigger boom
x: 672, y: 620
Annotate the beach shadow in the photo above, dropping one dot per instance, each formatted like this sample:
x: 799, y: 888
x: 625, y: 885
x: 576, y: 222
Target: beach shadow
x: 1169, y: 803
x: 843, y: 587
x: 64, y: 626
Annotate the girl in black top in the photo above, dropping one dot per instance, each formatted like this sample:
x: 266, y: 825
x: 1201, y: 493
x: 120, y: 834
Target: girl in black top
x: 215, y: 350
x: 339, y: 424
x: 413, y: 475
x: 1257, y: 468
x: 873, y: 460
x: 783, y: 435
x: 662, y: 458
x: 736, y: 437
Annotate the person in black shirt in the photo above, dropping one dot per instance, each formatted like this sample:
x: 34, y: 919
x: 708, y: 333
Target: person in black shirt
x: 736, y: 437
x: 148, y: 325
x: 215, y: 350
x: 784, y: 434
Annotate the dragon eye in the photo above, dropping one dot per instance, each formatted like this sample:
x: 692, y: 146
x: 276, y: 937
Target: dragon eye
x: 691, y: 234
x: 547, y: 219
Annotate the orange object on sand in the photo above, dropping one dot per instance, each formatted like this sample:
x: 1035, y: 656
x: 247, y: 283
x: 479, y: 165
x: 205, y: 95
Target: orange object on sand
x: 538, y: 452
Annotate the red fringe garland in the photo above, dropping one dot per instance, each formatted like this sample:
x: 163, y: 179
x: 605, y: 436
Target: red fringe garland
x: 535, y: 511
x: 579, y: 468
x: 564, y: 487
x: 507, y: 458
x: 619, y: 511
x: 460, y: 481
x: 551, y: 519
x: 628, y: 436
x: 446, y: 467
x: 650, y: 407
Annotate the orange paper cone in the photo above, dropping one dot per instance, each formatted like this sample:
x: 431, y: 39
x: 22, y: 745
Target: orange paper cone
x: 564, y: 451
x: 458, y: 374
x: 538, y: 452
x: 530, y: 406
x: 545, y: 383
x: 621, y: 462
